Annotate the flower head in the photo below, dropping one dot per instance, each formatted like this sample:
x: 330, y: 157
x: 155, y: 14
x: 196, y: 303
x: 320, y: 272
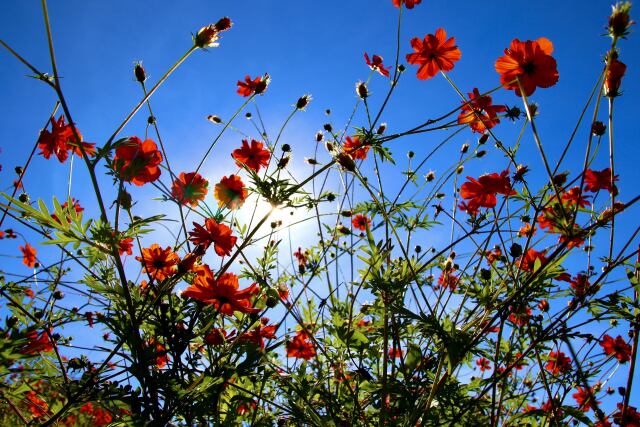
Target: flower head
x: 375, y: 63
x: 230, y: 192
x: 361, y: 222
x: 137, y: 162
x: 435, y: 53
x: 613, y: 79
x: 222, y: 293
x: 253, y: 156
x: 159, y: 263
x: 213, y: 233
x: 301, y: 346
x: 408, y: 3
x: 60, y: 140
x: 557, y: 363
x: 353, y: 147
x: 479, y: 112
x: 617, y: 347
x: 189, y: 188
x: 253, y: 86
x: 28, y: 255
x: 482, y: 192
x: 208, y: 36
x: 531, y: 63
x: 37, y: 343
x: 595, y: 181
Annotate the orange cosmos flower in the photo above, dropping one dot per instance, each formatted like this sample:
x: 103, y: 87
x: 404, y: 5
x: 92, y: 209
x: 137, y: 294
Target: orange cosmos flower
x: 613, y: 78
x: 37, y: 343
x: 37, y: 406
x: 482, y: 192
x: 595, y: 181
x: 528, y: 260
x: 375, y: 63
x: 585, y: 399
x: 479, y: 113
x: 189, y: 188
x: 448, y: 280
x: 28, y: 255
x: 361, y: 222
x: 230, y: 192
x: 301, y: 346
x: 125, y: 246
x: 531, y: 63
x: 408, y: 3
x: 213, y: 233
x: 434, y: 54
x: 483, y: 364
x: 159, y: 263
x: 255, y: 86
x: 60, y: 140
x: 253, y: 156
x: 557, y: 362
x: 617, y: 347
x: 222, y: 293
x: 260, y: 333
x: 76, y: 207
x: 353, y: 147
x: 137, y: 162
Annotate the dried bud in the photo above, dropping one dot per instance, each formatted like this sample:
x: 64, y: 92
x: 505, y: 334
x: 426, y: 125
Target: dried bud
x: 24, y: 198
x: 343, y: 230
x: 286, y: 148
x: 124, y: 199
x: 311, y: 161
x: 430, y: 176
x: 560, y: 179
x: 460, y: 169
x: 619, y: 21
x: 464, y: 148
x: 513, y: 113
x: 139, y: 72
x: 481, y: 153
x: 214, y: 119
x: 521, y: 171
x: 206, y: 37
x: 483, y: 139
x: 346, y: 162
x: 223, y: 24
x: 361, y: 90
x: 543, y: 305
x: 303, y: 101
x: 381, y: 128
x: 331, y: 197
x: 319, y: 136
x: 284, y: 161
x: 18, y: 170
x: 346, y: 214
x: 329, y: 146
x: 418, y: 249
x: 598, y: 128
x: 328, y: 127
x: 410, y: 154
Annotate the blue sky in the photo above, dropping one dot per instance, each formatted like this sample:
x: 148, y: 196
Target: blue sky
x: 307, y: 47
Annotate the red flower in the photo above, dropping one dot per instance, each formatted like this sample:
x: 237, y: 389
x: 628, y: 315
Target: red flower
x: 254, y: 156
x: 482, y: 192
x: 479, y: 113
x: 37, y: 343
x: 213, y: 233
x: 159, y: 263
x: 448, y: 280
x: 137, y: 162
x: 581, y: 285
x: 574, y: 197
x: 301, y: 346
x: 37, y: 406
x: 617, y: 347
x: 258, y: 334
x: 218, y: 336
x: 60, y: 140
x: 519, y: 315
x: 531, y: 63
x: 361, y: 222
x: 353, y: 147
x: 28, y: 255
x: 614, y: 77
x: 631, y: 417
x: 408, y: 3
x: 434, y: 54
x: 222, y: 293
x: 585, y: 399
x: 230, y: 192
x: 189, y: 188
x: 125, y: 246
x: 528, y: 260
x: 255, y: 86
x: 375, y: 63
x: 483, y: 364
x: 557, y: 362
x: 595, y: 181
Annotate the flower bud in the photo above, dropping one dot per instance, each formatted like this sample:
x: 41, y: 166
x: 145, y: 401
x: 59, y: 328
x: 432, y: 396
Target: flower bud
x: 303, y: 101
x: 139, y: 72
x: 430, y: 176
x: 598, y: 128
x: 346, y: 162
x: 381, y: 128
x: 214, y: 119
x: 223, y: 24
x: 619, y: 21
x: 361, y: 90
x: 319, y: 136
